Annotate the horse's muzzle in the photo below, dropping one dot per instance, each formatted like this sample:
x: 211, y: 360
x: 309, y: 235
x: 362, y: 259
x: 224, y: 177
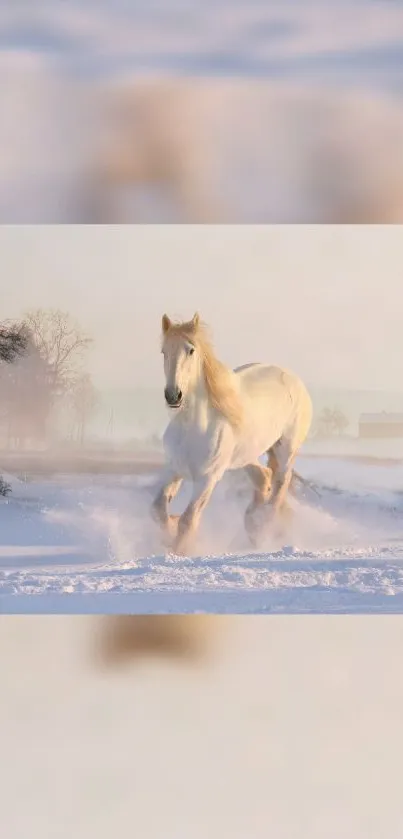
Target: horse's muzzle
x: 173, y: 398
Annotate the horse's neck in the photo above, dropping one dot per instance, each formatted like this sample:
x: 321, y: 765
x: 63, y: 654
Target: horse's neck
x: 198, y: 409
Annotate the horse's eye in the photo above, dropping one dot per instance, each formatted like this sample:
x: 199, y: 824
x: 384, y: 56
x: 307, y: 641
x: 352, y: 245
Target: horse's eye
x: 191, y: 350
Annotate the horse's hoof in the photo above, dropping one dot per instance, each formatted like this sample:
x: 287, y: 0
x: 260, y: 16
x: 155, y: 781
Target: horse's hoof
x: 253, y: 529
x: 172, y: 526
x: 170, y: 532
x: 180, y: 547
x: 287, y: 514
x: 253, y: 534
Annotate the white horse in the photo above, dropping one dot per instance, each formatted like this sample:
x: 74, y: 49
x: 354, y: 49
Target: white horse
x: 225, y: 419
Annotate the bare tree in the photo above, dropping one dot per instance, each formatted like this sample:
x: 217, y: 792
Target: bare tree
x: 26, y: 395
x: 331, y: 422
x: 53, y: 346
x: 340, y: 421
x: 13, y: 341
x: 325, y: 423
x: 13, y: 345
x: 85, y: 399
x: 61, y: 343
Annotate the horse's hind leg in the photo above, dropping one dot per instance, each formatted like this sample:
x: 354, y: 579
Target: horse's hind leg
x: 273, y: 464
x: 284, y: 453
x: 261, y: 477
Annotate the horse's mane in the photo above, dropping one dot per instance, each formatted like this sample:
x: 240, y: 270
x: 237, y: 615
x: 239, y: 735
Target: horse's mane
x: 217, y: 377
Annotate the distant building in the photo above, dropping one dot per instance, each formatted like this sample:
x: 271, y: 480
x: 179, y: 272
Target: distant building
x: 382, y: 425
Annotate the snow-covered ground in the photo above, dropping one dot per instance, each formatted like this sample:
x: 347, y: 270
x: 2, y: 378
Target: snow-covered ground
x: 289, y: 727
x: 87, y: 544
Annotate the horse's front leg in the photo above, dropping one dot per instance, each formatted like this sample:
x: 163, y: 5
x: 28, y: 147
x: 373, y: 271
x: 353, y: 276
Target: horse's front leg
x: 190, y: 519
x: 160, y: 508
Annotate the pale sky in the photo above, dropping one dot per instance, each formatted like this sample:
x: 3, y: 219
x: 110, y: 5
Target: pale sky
x: 326, y: 302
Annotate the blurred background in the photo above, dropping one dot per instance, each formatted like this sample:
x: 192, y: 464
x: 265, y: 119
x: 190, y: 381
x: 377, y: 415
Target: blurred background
x: 288, y: 727
x: 201, y: 112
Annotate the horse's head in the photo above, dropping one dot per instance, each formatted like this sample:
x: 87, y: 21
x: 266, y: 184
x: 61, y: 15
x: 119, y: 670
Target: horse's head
x: 182, y: 362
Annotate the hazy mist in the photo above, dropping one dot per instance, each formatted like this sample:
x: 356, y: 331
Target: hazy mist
x: 325, y: 301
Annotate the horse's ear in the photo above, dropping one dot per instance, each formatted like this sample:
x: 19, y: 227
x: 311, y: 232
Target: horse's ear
x: 196, y: 320
x: 166, y: 323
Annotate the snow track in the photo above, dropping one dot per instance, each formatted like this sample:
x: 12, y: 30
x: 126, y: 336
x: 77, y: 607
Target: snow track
x: 87, y: 544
